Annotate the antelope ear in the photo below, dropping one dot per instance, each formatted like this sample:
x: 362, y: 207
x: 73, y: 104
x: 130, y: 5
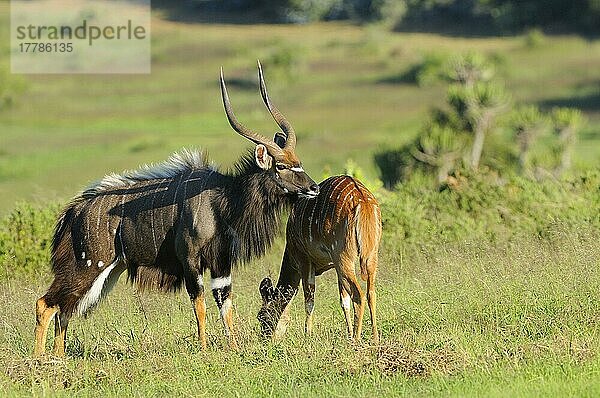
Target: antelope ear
x: 262, y: 157
x: 280, y: 139
x: 266, y: 289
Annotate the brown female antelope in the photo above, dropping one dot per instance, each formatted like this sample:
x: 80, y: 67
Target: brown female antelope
x: 166, y: 225
x: 341, y: 224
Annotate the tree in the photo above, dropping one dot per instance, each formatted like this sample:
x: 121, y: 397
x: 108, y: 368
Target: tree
x: 565, y: 123
x: 478, y: 105
x: 439, y: 147
x: 528, y: 124
x: 470, y: 69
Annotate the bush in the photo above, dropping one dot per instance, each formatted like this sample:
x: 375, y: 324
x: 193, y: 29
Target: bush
x: 534, y: 38
x: 481, y: 205
x: 352, y: 169
x: 394, y: 165
x: 25, y: 240
x: 430, y: 70
x: 285, y: 61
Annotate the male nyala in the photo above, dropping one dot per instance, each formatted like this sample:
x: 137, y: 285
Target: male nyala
x: 168, y: 224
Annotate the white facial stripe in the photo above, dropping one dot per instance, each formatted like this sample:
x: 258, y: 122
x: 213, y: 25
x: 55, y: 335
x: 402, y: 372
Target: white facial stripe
x: 220, y: 283
x: 297, y: 169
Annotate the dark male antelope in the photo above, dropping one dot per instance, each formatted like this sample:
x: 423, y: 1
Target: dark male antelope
x: 166, y: 225
x: 341, y: 224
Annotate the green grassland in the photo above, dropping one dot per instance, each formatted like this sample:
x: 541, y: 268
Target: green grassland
x: 482, y: 292
x: 461, y: 320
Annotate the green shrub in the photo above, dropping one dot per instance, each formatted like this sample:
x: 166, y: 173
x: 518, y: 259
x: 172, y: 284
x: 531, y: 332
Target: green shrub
x: 429, y: 70
x: 285, y: 61
x: 394, y: 164
x: 484, y: 206
x: 352, y: 169
x: 534, y: 38
x: 25, y: 240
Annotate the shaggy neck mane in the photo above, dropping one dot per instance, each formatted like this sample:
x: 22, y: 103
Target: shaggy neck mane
x: 179, y: 162
x: 254, y: 206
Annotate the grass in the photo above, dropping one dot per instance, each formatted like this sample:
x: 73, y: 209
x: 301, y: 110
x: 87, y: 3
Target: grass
x: 457, y: 320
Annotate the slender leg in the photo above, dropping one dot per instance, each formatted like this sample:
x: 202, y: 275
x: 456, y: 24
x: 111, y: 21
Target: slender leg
x: 44, y: 315
x: 350, y: 293
x: 308, y: 286
x: 221, y: 290
x: 61, y: 322
x: 194, y: 284
x: 372, y: 299
x: 345, y: 301
x: 200, y: 312
x: 359, y: 300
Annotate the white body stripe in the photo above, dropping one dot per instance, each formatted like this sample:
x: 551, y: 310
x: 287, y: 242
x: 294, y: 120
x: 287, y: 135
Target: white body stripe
x: 346, y: 197
x: 302, y: 218
x: 326, y: 208
x: 310, y: 223
x: 220, y: 283
x: 358, y: 224
x: 337, y: 201
x: 200, y: 281
x: 99, y: 212
x: 151, y: 210
x: 120, y: 226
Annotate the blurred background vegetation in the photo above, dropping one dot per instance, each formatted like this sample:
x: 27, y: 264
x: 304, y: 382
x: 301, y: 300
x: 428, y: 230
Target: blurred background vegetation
x: 474, y: 16
x: 521, y: 99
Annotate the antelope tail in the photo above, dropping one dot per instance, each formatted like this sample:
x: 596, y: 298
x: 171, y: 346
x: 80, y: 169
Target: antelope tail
x: 367, y: 217
x: 62, y: 243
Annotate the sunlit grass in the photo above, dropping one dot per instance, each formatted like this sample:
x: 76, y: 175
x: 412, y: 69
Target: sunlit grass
x: 464, y: 319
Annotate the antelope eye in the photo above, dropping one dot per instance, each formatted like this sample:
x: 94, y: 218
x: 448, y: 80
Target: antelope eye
x: 280, y: 167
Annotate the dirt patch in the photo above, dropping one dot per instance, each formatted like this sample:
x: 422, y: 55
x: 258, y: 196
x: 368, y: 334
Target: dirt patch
x: 393, y: 358
x: 54, y: 371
